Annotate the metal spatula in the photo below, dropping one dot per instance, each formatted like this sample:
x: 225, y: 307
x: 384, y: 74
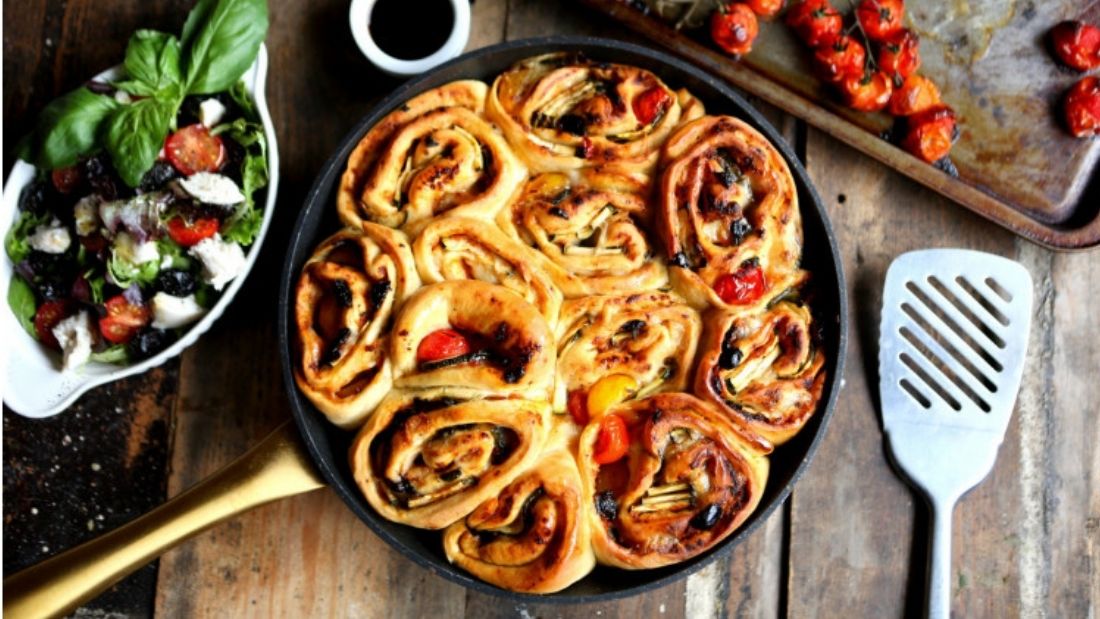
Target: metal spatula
x: 954, y: 334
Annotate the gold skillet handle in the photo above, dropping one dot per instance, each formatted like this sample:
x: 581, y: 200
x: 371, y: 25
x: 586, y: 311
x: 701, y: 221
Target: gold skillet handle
x: 278, y: 467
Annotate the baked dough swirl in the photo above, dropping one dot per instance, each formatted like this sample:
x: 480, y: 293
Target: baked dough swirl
x: 563, y: 111
x: 532, y: 537
x: 728, y: 203
x: 689, y: 479
x: 592, y: 234
x: 765, y: 370
x: 650, y: 337
x: 460, y: 248
x: 346, y: 294
x: 435, y: 154
x: 427, y: 460
x: 513, y: 347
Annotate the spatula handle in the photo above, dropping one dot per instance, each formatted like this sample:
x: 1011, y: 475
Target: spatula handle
x: 939, y: 560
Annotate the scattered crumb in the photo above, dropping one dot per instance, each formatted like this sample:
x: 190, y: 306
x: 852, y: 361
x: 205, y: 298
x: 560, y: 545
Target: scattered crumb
x: 95, y: 466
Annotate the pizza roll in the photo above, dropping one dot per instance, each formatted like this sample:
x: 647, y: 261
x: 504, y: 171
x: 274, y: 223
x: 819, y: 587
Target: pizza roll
x: 346, y: 294
x: 533, y: 536
x: 688, y: 478
x: 563, y: 111
x: 460, y: 248
x: 471, y: 337
x: 433, y: 155
x: 426, y: 459
x: 649, y: 338
x: 592, y: 233
x: 729, y: 215
x: 765, y: 370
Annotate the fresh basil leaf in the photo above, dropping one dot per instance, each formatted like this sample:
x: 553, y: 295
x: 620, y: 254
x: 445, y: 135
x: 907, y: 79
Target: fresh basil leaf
x: 115, y: 354
x: 153, y: 59
x: 135, y: 87
x: 221, y: 39
x: 16, y: 243
x: 21, y: 301
x: 135, y: 134
x: 68, y: 128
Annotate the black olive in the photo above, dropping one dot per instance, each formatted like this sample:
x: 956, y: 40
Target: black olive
x: 35, y: 196
x: 750, y: 263
x: 514, y: 373
x: 342, y: 292
x: 486, y: 157
x: 51, y: 266
x: 572, y: 123
x: 52, y: 289
x: 332, y: 353
x: 149, y: 342
x: 484, y: 537
x: 680, y: 260
x: 477, y: 356
x: 500, y: 334
x: 633, y: 327
x: 378, y: 292
x: 559, y: 212
x: 730, y: 358
x: 562, y: 195
x: 607, y: 506
x: 401, y: 486
x: 450, y: 475
x: 739, y: 229
x: 502, y: 445
x: 234, y: 159
x: 705, y: 519
x: 176, y: 282
x: 158, y: 176
x: 104, y: 180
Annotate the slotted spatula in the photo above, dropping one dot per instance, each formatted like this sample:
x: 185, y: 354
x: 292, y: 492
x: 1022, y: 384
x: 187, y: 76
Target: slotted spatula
x: 954, y: 333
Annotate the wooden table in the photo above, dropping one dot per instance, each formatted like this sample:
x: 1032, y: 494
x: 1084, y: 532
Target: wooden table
x: 1027, y: 541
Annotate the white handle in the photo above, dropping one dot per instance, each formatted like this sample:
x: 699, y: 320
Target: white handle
x: 939, y: 560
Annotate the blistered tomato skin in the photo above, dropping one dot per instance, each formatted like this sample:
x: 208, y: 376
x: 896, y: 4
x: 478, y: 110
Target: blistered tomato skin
x: 930, y: 134
x: 766, y: 9
x: 1076, y: 44
x: 733, y: 27
x: 867, y: 93
x: 816, y: 22
x: 840, y: 60
x: 442, y: 344
x: 651, y: 104
x: 899, y: 57
x: 880, y: 19
x: 742, y: 287
x: 916, y: 94
x: 1082, y: 108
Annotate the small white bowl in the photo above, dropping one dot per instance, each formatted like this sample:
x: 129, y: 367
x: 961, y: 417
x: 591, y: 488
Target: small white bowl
x: 359, y: 17
x: 33, y: 383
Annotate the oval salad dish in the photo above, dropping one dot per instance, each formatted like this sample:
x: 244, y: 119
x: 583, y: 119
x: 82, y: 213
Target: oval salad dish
x: 106, y: 283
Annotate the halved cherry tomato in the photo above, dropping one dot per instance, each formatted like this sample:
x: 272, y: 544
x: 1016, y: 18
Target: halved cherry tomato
x: 899, y: 56
x: 1082, y: 108
x: 123, y: 319
x: 816, y: 22
x: 880, y: 19
x: 188, y: 233
x: 578, y: 406
x: 742, y: 286
x: 194, y: 149
x: 733, y: 27
x: 650, y: 104
x: 46, y: 318
x: 766, y: 9
x: 442, y: 344
x: 839, y: 60
x: 916, y: 94
x: 1077, y: 44
x: 612, y: 441
x: 930, y: 133
x: 66, y: 179
x: 869, y: 92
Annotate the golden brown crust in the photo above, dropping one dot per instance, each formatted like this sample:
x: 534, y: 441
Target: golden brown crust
x: 689, y: 479
x: 426, y: 460
x: 346, y: 294
x: 532, y: 537
x: 727, y: 199
x: 596, y: 100
x: 459, y: 248
x: 649, y: 336
x: 591, y: 231
x: 518, y: 342
x: 434, y: 155
x: 765, y: 370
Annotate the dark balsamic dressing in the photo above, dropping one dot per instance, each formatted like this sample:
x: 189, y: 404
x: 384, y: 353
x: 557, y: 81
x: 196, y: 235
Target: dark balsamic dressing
x: 411, y: 29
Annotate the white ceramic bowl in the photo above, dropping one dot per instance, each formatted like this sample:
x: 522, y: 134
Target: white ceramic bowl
x: 33, y: 383
x: 359, y: 17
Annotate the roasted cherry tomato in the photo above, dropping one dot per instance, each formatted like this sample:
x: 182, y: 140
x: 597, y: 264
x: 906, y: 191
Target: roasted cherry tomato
x: 916, y: 94
x: 1076, y: 44
x: 742, y: 286
x: 123, y: 320
x: 46, y: 318
x: 650, y: 104
x: 929, y: 134
x: 67, y: 179
x: 442, y: 344
x: 840, y: 60
x: 733, y: 27
x: 880, y: 19
x: 816, y: 22
x: 607, y: 392
x: 899, y: 56
x: 765, y: 9
x: 869, y: 92
x: 578, y: 406
x: 194, y: 149
x: 1082, y: 108
x: 188, y: 233
x: 613, y: 440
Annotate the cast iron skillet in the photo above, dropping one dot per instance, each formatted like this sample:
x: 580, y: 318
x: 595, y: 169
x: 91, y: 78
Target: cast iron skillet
x: 329, y: 445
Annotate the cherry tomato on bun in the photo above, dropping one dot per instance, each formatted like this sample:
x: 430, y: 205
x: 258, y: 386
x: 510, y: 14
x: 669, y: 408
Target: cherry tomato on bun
x: 442, y: 344
x: 742, y: 286
x: 733, y: 27
x: 613, y: 440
